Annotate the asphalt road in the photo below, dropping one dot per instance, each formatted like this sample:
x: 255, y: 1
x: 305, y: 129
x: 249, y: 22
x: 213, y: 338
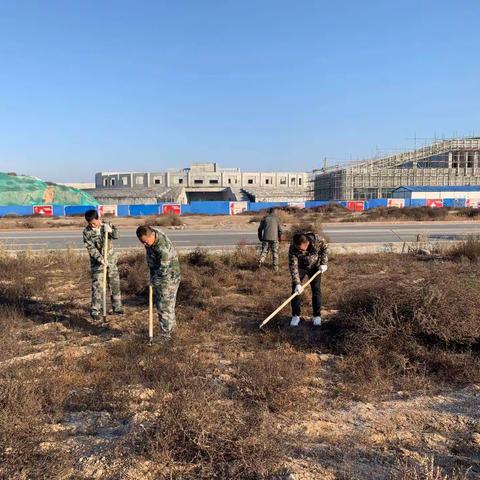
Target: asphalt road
x: 337, y: 233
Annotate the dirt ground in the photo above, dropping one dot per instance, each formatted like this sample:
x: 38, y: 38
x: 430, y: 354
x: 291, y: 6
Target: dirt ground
x: 223, y: 400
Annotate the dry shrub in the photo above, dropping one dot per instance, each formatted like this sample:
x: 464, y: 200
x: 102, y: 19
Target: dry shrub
x: 134, y: 275
x: 196, y: 434
x: 11, y: 320
x: 466, y: 250
x: 22, y: 419
x: 25, y: 277
x: 271, y: 379
x: 168, y: 220
x: 391, y: 334
x: 425, y: 470
x: 468, y: 212
x: 410, y: 213
x: 201, y: 258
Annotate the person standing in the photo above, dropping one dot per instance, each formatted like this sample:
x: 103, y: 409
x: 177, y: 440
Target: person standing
x: 165, y: 276
x: 306, y: 256
x: 94, y: 239
x: 270, y: 234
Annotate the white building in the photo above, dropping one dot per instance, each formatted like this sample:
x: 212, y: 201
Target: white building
x: 201, y: 181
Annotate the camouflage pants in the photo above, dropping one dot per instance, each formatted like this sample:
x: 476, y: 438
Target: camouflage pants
x: 113, y: 281
x: 269, y: 246
x: 165, y: 297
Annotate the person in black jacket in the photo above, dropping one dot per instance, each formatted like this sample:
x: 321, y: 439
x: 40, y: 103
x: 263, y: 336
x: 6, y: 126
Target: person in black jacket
x: 306, y: 256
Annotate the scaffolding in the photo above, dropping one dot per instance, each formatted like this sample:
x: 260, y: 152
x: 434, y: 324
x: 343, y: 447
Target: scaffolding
x: 445, y: 163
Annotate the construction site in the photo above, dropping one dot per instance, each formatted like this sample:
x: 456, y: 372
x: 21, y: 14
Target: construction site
x: 451, y: 162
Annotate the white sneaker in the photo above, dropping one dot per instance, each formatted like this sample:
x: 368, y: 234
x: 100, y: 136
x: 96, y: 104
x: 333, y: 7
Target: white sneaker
x: 295, y: 321
x: 317, y: 321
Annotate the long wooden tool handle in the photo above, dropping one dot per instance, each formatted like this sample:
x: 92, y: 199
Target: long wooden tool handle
x: 150, y: 312
x: 289, y: 299
x: 105, y: 266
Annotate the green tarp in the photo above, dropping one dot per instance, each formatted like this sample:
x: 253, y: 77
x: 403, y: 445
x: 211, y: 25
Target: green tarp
x: 23, y: 190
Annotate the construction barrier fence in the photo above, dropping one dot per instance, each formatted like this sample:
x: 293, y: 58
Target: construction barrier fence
x: 223, y: 208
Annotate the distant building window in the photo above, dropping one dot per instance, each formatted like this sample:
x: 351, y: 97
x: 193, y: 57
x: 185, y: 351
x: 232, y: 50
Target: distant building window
x: 105, y: 182
x: 267, y: 181
x: 213, y: 182
x: 299, y: 181
x: 112, y: 182
x: 292, y: 180
x: 198, y: 182
x: 124, y: 180
x: 283, y: 181
x: 229, y: 180
x: 138, y: 180
x: 250, y: 181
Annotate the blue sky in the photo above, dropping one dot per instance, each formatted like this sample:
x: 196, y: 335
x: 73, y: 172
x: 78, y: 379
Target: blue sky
x: 267, y: 84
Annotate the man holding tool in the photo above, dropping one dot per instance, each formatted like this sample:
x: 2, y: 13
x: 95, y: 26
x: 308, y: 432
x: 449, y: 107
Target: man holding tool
x: 97, y: 238
x: 270, y: 234
x: 164, y: 268
x: 307, y: 256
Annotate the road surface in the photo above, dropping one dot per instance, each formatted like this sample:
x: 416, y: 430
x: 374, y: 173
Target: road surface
x: 186, y: 239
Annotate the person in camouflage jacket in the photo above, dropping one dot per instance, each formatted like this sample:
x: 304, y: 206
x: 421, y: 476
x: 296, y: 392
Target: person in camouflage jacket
x: 94, y: 239
x: 270, y: 234
x: 307, y: 254
x: 165, y: 276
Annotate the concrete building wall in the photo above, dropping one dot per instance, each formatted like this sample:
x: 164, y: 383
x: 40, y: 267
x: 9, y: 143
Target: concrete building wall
x: 201, y: 176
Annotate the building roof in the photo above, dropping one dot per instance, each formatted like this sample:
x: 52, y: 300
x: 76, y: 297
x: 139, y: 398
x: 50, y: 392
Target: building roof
x: 446, y: 188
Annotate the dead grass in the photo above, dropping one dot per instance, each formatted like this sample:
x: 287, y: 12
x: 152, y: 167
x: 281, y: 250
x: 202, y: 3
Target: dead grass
x: 223, y: 399
x: 468, y: 250
x: 406, y: 335
x: 169, y: 220
x: 426, y: 470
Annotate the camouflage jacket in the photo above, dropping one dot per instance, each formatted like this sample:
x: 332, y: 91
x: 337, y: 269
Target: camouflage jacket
x: 315, y: 255
x: 270, y: 229
x: 94, y: 241
x: 162, y: 260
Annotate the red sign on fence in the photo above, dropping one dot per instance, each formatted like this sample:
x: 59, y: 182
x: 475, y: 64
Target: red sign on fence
x: 171, y: 208
x: 356, y: 206
x: 43, y: 210
x: 434, y: 202
x: 396, y: 202
x: 107, y: 210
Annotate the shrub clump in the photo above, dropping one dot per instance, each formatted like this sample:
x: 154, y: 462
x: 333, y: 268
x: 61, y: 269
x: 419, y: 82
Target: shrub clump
x: 466, y: 250
x: 168, y: 220
x: 429, y: 331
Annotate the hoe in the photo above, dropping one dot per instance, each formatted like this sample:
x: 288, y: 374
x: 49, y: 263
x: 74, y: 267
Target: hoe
x: 289, y: 299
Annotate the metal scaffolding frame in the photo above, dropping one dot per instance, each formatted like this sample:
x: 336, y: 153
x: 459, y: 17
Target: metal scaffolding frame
x: 446, y: 162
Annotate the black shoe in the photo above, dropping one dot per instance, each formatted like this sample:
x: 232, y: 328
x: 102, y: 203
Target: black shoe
x: 118, y: 311
x: 95, y: 316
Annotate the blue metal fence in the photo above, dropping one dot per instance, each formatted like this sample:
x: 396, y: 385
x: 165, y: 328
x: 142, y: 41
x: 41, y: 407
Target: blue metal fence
x: 210, y: 208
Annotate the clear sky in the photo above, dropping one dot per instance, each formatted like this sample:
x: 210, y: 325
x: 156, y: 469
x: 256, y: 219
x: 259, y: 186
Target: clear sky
x: 90, y: 85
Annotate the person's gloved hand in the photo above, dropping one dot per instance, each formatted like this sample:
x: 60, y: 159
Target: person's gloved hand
x: 299, y: 289
x: 323, y: 268
x: 107, y: 228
